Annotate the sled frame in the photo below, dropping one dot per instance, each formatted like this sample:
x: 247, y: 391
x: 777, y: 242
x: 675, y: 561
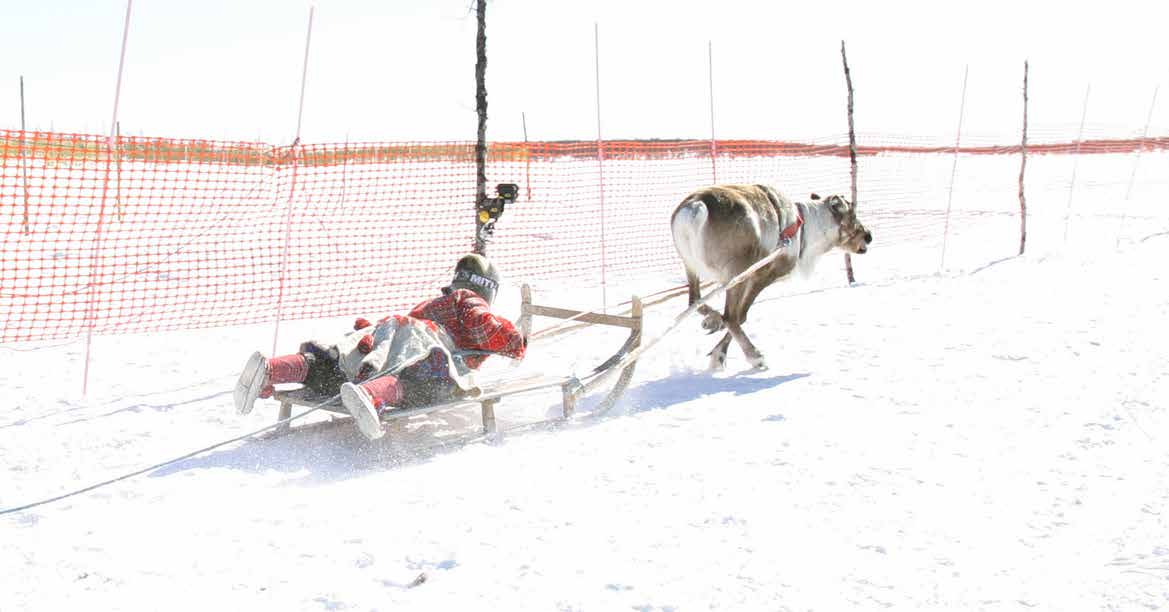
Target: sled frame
x: 571, y: 387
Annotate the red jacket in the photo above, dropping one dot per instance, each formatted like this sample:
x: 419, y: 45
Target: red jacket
x: 470, y: 323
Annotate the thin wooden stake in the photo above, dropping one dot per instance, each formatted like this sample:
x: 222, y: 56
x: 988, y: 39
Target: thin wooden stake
x: 1136, y: 162
x: 527, y: 156
x: 600, y: 163
x: 294, y: 156
x: 1075, y: 163
x: 308, y: 37
x: 954, y: 169
x: 23, y: 162
x: 344, y: 172
x: 118, y: 170
x: 851, y: 153
x: 710, y: 86
x: 1023, y: 169
x: 95, y: 280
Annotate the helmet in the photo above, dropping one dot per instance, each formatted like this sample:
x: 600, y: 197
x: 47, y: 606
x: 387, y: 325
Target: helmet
x: 476, y: 273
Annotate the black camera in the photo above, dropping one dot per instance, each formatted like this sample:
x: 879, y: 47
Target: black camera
x: 491, y: 209
x: 507, y: 191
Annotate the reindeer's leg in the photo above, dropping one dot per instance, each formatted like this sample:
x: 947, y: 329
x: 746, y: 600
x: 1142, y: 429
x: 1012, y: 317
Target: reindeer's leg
x: 718, y: 355
x: 693, y: 288
x: 712, y: 321
x: 735, y: 318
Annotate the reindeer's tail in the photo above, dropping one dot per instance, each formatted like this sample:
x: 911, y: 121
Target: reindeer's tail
x: 687, y: 227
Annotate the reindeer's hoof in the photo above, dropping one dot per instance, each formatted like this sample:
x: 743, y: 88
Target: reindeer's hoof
x: 757, y: 361
x: 718, y: 363
x: 712, y: 323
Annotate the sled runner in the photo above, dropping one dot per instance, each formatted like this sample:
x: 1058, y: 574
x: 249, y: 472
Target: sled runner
x: 487, y: 395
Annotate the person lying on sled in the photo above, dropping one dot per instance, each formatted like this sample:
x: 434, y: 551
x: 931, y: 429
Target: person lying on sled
x: 401, y: 361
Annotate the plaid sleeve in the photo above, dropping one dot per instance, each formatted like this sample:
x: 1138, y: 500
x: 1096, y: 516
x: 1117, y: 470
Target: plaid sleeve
x: 479, y: 329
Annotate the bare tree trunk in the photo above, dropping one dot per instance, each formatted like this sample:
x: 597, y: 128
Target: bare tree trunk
x: 1023, y: 170
x: 851, y: 152
x: 481, y: 109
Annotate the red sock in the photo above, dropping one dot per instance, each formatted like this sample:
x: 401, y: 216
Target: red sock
x: 287, y: 369
x: 384, y: 391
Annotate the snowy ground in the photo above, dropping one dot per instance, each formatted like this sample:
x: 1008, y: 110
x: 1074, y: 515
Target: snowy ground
x: 995, y: 440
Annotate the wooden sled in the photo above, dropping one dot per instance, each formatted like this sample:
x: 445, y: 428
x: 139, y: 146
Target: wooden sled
x: 572, y: 388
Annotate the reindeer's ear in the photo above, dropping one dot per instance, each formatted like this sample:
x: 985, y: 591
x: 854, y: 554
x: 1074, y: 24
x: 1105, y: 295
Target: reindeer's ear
x: 838, y: 206
x: 815, y: 196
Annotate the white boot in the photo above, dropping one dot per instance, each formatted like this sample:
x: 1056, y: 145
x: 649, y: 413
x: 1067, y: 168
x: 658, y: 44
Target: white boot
x: 251, y: 382
x: 360, y: 405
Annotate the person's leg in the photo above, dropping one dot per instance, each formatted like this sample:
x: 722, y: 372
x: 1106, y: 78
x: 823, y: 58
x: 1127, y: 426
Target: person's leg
x: 286, y: 369
x: 424, y: 383
x: 368, y: 400
x: 315, y: 368
x: 324, y: 373
x: 260, y: 374
x: 252, y: 381
x: 429, y: 381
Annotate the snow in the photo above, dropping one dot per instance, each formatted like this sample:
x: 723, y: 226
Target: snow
x: 993, y: 439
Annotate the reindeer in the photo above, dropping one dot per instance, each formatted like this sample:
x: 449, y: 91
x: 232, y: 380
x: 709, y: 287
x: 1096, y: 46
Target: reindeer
x: 721, y: 231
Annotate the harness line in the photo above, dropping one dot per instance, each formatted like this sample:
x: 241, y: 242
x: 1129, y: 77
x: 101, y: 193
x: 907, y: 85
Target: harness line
x: 164, y: 463
x: 620, y: 365
x: 141, y: 471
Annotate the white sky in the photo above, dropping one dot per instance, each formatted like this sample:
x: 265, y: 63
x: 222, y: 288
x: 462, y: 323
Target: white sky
x: 398, y: 70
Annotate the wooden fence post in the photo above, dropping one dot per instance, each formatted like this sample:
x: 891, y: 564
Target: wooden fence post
x: 851, y: 153
x: 481, y: 138
x: 1023, y: 169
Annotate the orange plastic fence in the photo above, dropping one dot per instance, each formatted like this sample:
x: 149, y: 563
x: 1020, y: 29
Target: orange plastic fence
x: 147, y: 234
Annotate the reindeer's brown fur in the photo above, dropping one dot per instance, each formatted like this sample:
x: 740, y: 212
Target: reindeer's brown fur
x: 721, y: 231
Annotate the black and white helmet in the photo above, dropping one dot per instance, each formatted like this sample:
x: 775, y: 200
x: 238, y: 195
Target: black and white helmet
x: 476, y: 273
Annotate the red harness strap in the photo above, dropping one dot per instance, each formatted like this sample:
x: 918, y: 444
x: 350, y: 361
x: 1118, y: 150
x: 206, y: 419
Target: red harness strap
x: 789, y: 232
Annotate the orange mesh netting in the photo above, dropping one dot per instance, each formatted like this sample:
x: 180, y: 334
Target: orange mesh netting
x: 155, y: 234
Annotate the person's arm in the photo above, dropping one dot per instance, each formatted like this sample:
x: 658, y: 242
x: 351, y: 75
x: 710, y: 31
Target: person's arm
x: 485, y: 331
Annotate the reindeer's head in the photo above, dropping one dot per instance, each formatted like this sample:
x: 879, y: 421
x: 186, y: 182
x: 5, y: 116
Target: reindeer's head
x: 853, y: 236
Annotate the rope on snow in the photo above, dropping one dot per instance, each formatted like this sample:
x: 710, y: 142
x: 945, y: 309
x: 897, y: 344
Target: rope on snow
x: 164, y: 463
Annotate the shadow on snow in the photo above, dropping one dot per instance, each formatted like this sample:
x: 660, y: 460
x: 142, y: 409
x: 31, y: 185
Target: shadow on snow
x: 333, y: 450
